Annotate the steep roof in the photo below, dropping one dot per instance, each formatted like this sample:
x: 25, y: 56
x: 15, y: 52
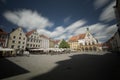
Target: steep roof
x: 76, y: 38
x: 2, y: 32
x: 73, y: 38
x: 56, y: 41
x: 29, y: 33
x: 81, y: 36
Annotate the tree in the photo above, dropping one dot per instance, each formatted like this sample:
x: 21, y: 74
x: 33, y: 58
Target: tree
x: 64, y: 44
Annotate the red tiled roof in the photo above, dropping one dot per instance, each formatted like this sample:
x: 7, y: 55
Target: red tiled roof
x: 76, y: 38
x: 73, y: 38
x: 81, y: 36
x: 56, y: 41
x: 2, y: 32
x: 29, y: 33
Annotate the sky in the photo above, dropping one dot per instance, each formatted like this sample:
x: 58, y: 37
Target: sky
x: 60, y: 19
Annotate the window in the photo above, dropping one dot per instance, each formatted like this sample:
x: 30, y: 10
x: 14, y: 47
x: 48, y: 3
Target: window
x: 27, y: 44
x: 22, y: 46
x: 19, y: 37
x: 31, y: 40
x: 19, y: 46
x: 24, y: 38
x: 19, y: 42
x: 12, y: 46
x: 30, y: 45
x: 28, y: 39
x: 20, y: 33
x: 23, y: 42
x: 14, y: 37
x: 13, y: 41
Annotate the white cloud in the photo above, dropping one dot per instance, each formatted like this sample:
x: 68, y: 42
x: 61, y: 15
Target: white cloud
x: 108, y: 13
x: 93, y: 28
x: 28, y: 19
x: 103, y: 32
x: 44, y: 32
x: 57, y: 32
x: 61, y: 37
x: 71, y: 28
x: 64, y: 33
x: 100, y: 3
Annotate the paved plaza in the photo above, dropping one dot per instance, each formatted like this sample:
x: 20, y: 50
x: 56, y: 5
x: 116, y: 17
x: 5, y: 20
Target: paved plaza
x: 73, y: 66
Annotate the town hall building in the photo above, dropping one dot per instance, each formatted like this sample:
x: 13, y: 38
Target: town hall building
x: 84, y: 42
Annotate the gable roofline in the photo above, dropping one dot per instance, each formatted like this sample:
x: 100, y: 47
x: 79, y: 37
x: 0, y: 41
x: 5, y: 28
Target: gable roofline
x: 30, y: 32
x: 3, y: 32
x: 77, y: 37
x: 14, y: 29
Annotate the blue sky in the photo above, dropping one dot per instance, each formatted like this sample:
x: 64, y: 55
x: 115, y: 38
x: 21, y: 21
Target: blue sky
x: 60, y: 19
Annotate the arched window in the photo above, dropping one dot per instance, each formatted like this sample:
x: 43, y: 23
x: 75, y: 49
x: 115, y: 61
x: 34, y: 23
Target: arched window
x: 86, y: 49
x: 90, y: 48
x: 94, y: 48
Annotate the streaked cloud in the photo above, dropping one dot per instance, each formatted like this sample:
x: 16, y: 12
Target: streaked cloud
x: 33, y: 20
x: 100, y: 31
x: 100, y: 3
x: 61, y: 32
x: 74, y: 26
x: 58, y: 31
x: 44, y: 31
x: 108, y: 13
x: 28, y: 19
x: 103, y: 32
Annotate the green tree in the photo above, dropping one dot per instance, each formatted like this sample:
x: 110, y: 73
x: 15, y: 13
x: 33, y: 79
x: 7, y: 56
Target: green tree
x: 64, y: 44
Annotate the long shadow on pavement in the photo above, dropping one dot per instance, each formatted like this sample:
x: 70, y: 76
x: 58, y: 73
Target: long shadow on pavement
x: 85, y: 67
x: 9, y: 69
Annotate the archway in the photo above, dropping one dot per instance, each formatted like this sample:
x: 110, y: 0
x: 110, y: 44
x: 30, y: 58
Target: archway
x: 94, y: 48
x: 86, y: 48
x: 90, y: 48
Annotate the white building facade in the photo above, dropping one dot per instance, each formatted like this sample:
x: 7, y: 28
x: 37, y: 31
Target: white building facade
x: 84, y: 42
x: 33, y: 39
x: 44, y: 42
x: 17, y: 39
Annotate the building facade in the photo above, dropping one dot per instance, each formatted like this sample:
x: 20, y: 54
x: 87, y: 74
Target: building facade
x: 114, y: 41
x: 51, y: 43
x: 33, y: 39
x: 57, y: 43
x: 84, y: 42
x: 3, y: 38
x: 73, y: 42
x: 44, y: 42
x: 17, y: 39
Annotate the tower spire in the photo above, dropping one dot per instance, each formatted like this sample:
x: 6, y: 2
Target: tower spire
x: 87, y: 29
